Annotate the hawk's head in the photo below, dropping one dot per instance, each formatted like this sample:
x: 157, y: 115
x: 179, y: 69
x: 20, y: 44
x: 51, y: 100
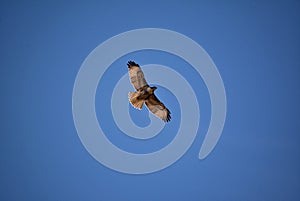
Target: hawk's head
x: 151, y: 89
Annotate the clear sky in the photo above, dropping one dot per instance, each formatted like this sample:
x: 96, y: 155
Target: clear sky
x: 255, y: 46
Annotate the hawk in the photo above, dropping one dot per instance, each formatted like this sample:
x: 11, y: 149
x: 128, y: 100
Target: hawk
x: 145, y: 94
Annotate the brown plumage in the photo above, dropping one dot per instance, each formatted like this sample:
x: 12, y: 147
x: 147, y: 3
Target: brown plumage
x: 145, y: 94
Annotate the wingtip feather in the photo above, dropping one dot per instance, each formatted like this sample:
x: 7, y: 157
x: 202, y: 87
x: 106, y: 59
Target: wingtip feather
x: 132, y: 63
x: 168, y: 118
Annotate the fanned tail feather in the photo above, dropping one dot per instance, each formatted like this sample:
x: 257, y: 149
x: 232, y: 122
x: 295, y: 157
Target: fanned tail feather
x: 133, y: 98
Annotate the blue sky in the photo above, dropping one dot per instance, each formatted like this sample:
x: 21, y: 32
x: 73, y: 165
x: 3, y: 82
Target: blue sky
x: 255, y: 46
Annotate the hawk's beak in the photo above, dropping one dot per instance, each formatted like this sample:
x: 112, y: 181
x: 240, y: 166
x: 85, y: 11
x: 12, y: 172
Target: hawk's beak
x: 153, y: 88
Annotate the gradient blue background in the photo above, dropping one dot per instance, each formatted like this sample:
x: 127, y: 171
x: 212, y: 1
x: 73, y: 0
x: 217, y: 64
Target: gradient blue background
x: 255, y: 46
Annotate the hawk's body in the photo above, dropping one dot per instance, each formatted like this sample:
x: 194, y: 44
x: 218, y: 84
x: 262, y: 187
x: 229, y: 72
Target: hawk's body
x: 145, y: 94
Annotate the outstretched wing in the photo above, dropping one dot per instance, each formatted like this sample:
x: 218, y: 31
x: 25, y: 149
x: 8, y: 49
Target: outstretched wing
x: 158, y: 108
x: 136, y: 75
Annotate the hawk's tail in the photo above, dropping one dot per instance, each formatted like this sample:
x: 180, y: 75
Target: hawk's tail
x: 133, y: 98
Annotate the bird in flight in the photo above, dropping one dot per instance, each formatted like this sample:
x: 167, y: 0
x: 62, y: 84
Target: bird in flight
x: 145, y: 94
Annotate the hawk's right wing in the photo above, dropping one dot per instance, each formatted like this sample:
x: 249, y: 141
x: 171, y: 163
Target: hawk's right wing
x: 158, y: 108
x: 136, y: 75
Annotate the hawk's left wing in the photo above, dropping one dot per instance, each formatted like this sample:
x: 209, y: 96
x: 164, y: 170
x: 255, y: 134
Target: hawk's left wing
x: 136, y: 75
x: 158, y: 108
